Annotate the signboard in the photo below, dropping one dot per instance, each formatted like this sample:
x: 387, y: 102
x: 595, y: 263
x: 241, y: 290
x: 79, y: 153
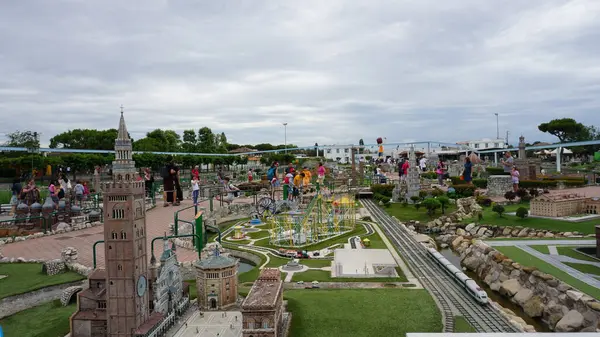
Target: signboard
x: 597, y: 156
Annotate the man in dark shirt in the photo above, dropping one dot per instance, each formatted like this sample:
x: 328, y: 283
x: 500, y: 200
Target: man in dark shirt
x: 16, y: 189
x: 169, y: 175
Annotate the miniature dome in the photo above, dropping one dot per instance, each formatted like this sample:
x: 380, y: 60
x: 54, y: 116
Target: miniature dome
x: 22, y: 207
x: 216, y: 262
x: 75, y: 209
x: 36, y: 206
x: 48, y: 204
x: 62, y: 205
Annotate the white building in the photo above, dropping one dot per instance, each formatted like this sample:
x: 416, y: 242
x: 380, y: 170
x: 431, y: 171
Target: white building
x: 343, y: 153
x: 363, y: 263
x: 485, y: 144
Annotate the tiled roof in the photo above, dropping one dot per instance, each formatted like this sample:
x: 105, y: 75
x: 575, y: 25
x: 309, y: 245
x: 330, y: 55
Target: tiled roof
x: 219, y: 261
x: 264, y: 293
x: 98, y: 274
x: 93, y: 315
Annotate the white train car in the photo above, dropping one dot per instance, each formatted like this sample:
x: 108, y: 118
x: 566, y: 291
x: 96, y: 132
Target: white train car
x: 470, y: 286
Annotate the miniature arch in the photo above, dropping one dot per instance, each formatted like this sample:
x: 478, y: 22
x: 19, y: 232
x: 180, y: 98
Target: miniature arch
x: 69, y: 294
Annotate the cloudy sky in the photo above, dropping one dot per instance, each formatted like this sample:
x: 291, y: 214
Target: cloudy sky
x: 335, y: 70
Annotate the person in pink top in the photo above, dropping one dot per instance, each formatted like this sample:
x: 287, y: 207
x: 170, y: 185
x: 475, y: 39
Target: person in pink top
x: 321, y: 173
x: 515, y: 178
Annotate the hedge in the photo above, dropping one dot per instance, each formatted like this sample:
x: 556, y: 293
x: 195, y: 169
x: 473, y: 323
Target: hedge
x: 496, y: 171
x: 550, y: 183
x: 480, y: 183
x: 383, y: 189
x: 464, y: 190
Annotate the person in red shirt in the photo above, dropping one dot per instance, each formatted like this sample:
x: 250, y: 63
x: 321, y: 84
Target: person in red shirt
x: 405, y: 169
x: 196, y: 173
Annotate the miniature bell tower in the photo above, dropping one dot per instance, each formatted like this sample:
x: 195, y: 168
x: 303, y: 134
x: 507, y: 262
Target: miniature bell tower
x: 125, y: 248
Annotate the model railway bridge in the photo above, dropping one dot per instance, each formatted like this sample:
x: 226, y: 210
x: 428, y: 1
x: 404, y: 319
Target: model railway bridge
x: 452, y: 298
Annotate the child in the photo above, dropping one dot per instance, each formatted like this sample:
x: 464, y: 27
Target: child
x: 289, y: 181
x: 79, y: 191
x: 250, y: 177
x: 298, y: 185
x: 231, y: 190
x: 321, y: 173
x: 195, y: 189
x: 515, y: 178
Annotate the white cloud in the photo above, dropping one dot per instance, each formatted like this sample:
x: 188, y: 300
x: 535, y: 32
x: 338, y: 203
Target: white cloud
x: 335, y: 71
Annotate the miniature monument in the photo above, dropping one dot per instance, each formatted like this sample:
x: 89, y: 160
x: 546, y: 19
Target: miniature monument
x: 528, y: 168
x: 216, y: 281
x: 118, y: 302
x: 413, y: 177
x: 561, y: 205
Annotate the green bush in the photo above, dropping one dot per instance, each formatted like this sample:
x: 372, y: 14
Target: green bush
x: 429, y: 175
x: 464, y: 191
x: 537, y: 183
x: 383, y: 189
x: 480, y: 183
x: 483, y: 201
x: 431, y: 204
x: 496, y: 171
x: 498, y: 209
x: 522, y: 212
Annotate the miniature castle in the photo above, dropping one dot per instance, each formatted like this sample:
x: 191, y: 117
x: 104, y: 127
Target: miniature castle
x: 529, y: 168
x: 560, y: 205
x: 413, y: 178
x: 119, y: 302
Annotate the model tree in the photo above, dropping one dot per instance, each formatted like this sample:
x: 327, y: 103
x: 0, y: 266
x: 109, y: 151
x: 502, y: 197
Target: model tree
x: 498, y: 209
x: 510, y: 196
x: 522, y: 212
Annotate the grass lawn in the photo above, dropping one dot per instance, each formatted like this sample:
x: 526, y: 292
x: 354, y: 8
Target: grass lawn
x: 252, y: 274
x: 462, y: 326
x: 492, y: 218
x: 525, y: 259
x: 376, y: 241
x: 26, y: 277
x: 411, y: 213
x: 47, y: 320
x: 361, y: 312
x: 571, y: 252
x: 325, y: 276
x: 223, y: 227
x: 542, y: 249
x: 584, y: 268
x: 359, y: 230
x: 257, y: 235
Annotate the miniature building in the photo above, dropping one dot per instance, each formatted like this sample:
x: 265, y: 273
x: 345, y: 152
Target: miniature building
x: 118, y: 302
x: 216, y: 281
x: 167, y: 289
x: 560, y: 205
x: 413, y: 178
x: 263, y: 312
x: 528, y: 167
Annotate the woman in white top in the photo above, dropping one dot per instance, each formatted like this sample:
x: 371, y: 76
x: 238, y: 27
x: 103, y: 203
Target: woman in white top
x: 230, y: 189
x: 195, y: 189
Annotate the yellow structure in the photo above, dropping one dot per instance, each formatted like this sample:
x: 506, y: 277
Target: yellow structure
x: 560, y: 205
x: 320, y: 221
x: 237, y: 232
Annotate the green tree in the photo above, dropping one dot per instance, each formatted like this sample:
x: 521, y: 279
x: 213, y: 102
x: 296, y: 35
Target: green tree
x: 565, y: 129
x: 159, y: 140
x: 85, y: 139
x: 522, y: 212
x: 206, y: 140
x: 498, y: 209
x: 361, y: 143
x: 27, y: 139
x: 190, y: 141
x: 431, y: 204
x: 444, y: 201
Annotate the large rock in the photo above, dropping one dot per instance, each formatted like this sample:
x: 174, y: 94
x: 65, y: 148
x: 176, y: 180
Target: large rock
x: 507, y: 231
x: 457, y: 242
x: 549, y: 235
x: 534, y: 307
x: 510, y: 287
x: 523, y: 296
x: 523, y: 233
x: 461, y: 232
x: 472, y: 262
x: 572, y: 321
x: 574, y: 295
x: 481, y: 231
x: 470, y: 226
x: 69, y: 255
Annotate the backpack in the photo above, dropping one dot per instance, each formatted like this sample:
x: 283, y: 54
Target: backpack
x: 271, y: 173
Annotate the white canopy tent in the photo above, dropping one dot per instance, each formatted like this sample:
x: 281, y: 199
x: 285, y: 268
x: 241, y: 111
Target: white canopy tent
x: 565, y: 151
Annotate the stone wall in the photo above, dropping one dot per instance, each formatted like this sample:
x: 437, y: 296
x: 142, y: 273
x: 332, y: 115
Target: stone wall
x: 13, y: 304
x: 562, y: 307
x: 498, y: 185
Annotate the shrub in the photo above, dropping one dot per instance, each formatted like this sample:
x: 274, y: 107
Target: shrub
x: 537, y: 183
x: 522, y: 212
x: 417, y: 206
x: 423, y: 194
x: 383, y: 189
x: 496, y: 171
x: 414, y: 199
x: 429, y: 175
x: 534, y: 192
x: 436, y: 192
x: 444, y: 200
x: 431, y: 205
x: 510, y: 196
x: 464, y: 191
x: 526, y: 198
x: 498, y: 209
x: 483, y: 201
x: 404, y: 204
x: 480, y: 183
x: 521, y: 192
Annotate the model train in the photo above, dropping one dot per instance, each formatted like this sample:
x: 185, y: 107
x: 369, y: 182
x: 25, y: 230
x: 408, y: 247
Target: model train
x: 470, y: 286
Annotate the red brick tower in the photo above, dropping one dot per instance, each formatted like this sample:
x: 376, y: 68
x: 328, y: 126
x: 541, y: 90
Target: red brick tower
x: 125, y: 243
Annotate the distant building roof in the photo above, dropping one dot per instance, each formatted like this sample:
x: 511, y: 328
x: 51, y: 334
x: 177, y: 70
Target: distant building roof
x: 559, y: 197
x: 243, y: 150
x: 98, y: 274
x: 215, y: 262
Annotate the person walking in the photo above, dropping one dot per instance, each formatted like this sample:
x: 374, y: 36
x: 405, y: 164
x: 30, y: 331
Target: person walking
x: 195, y: 189
x: 440, y: 169
x: 321, y: 173
x: 168, y: 174
x: 405, y: 167
x: 250, y: 176
x: 16, y: 194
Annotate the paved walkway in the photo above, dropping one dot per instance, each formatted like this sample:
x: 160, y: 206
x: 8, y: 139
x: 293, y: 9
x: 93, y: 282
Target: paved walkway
x: 212, y: 323
x: 157, y: 223
x: 556, y: 263
x: 582, y: 242
x: 553, y: 250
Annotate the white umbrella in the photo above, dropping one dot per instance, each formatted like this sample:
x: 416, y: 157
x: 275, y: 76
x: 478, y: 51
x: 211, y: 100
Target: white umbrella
x: 565, y: 151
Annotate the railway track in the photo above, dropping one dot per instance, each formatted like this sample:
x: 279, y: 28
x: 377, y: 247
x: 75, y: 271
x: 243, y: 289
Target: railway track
x: 450, y: 296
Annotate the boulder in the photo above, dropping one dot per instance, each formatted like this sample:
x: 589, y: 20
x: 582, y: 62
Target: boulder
x: 572, y: 321
x: 506, y: 231
x: 461, y: 232
x: 567, y: 234
x: 472, y: 262
x: 481, y: 231
x: 510, y: 287
x: 534, y: 307
x: 552, y: 283
x: 594, y: 305
x: 515, y: 232
x: 523, y: 296
x: 457, y: 242
x: 495, y: 286
x: 523, y: 233
x: 574, y: 295
x: 549, y: 235
x: 562, y: 287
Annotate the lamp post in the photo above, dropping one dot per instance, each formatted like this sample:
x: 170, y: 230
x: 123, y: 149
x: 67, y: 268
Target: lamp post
x: 497, y: 127
x: 285, y: 135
